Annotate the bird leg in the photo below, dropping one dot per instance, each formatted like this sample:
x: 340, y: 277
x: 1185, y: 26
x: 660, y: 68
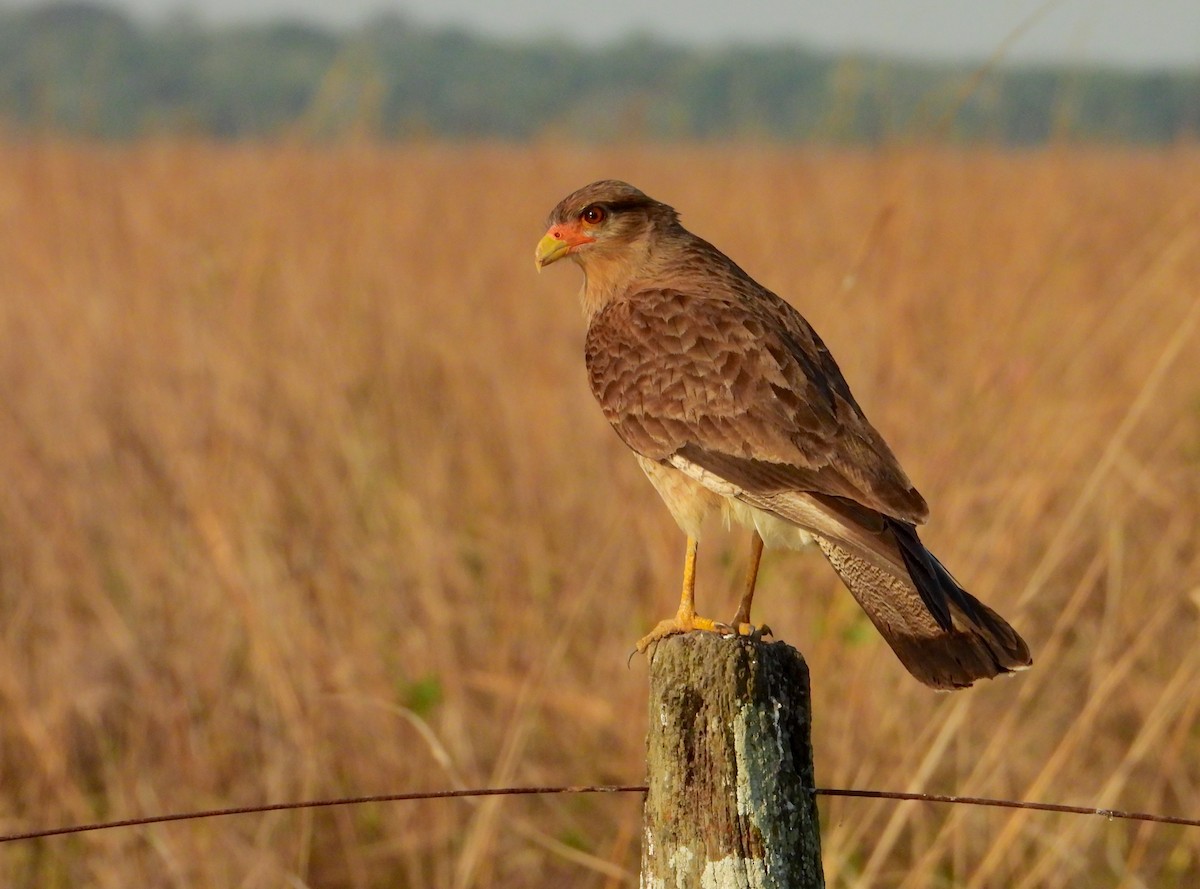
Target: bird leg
x: 741, y: 620
x: 685, y: 620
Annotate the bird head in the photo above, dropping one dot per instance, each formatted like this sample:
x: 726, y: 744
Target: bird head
x: 599, y: 221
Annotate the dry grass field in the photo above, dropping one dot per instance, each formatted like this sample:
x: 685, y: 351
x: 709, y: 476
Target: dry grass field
x: 304, y: 495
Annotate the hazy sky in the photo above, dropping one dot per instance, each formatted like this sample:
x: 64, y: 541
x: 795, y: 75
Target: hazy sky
x: 1136, y: 32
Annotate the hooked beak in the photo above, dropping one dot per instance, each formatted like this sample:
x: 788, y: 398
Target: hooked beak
x: 549, y: 249
x: 557, y: 243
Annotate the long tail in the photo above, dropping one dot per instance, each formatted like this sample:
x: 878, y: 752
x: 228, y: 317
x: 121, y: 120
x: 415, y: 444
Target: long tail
x: 942, y: 634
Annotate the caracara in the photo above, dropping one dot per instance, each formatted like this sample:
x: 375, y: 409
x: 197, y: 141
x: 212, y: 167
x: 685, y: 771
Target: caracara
x: 733, y: 406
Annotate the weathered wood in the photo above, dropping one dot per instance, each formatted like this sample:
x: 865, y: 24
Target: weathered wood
x: 730, y: 774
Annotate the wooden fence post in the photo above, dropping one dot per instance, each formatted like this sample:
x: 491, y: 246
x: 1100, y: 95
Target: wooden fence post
x: 730, y: 773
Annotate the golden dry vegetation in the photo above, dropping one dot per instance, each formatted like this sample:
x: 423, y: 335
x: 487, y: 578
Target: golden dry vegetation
x: 304, y: 495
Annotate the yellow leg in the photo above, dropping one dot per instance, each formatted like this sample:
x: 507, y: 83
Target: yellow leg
x: 685, y: 620
x: 742, y: 617
x: 687, y: 600
x: 741, y: 620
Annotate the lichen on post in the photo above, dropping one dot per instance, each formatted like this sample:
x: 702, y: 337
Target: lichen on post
x: 730, y: 803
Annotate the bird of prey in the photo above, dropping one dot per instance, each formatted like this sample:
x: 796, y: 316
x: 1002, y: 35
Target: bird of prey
x: 733, y: 406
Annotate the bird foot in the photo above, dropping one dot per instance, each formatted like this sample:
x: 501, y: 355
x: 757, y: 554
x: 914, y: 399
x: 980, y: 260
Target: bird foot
x: 743, y: 628
x: 682, y: 623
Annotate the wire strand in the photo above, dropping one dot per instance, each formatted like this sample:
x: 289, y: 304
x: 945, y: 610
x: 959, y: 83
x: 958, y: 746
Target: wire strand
x: 1110, y: 814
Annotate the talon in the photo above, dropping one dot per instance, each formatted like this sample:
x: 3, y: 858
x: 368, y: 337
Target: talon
x: 682, y: 623
x: 750, y: 631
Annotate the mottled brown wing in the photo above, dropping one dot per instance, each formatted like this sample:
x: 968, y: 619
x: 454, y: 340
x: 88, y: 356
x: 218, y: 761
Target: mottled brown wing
x: 740, y: 385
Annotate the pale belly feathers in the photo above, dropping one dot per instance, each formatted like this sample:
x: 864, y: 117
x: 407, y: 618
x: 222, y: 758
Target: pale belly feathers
x: 691, y: 502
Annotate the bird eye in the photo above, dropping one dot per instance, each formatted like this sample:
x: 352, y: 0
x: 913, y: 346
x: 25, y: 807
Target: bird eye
x: 593, y: 215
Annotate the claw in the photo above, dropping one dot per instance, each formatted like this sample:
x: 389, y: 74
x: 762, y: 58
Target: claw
x: 752, y: 632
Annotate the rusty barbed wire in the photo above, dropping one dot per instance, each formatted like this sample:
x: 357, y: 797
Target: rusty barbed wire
x: 1110, y: 814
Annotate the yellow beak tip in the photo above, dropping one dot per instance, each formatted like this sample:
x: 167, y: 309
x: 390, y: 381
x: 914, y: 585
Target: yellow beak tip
x: 549, y: 249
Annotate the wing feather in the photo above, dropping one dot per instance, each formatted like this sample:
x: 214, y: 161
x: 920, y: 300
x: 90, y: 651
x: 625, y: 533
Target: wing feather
x: 745, y: 389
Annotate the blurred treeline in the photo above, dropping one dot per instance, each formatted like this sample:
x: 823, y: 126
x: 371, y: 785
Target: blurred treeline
x: 89, y: 70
